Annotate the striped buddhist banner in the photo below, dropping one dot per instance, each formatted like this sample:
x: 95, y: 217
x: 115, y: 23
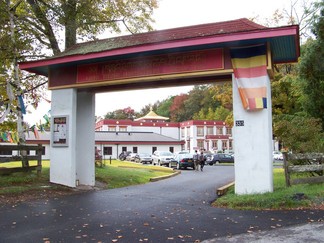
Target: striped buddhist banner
x: 250, y: 72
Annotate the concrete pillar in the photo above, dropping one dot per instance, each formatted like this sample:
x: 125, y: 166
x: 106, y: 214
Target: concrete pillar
x: 63, y: 158
x: 73, y: 162
x: 85, y: 133
x: 252, y: 135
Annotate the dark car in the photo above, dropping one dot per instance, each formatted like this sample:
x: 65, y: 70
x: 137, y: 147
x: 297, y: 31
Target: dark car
x: 123, y: 155
x: 184, y: 161
x: 219, y: 158
x: 143, y: 158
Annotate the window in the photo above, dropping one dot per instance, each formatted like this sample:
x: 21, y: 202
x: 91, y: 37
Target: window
x: 135, y: 150
x: 107, y: 151
x: 188, y: 145
x: 215, y: 144
x: 112, y: 129
x: 188, y: 131
x: 6, y: 152
x: 224, y: 144
x: 200, y: 143
x: 200, y: 131
x: 171, y: 149
x: 122, y: 129
x: 182, y: 132
x: 229, y: 131
x: 124, y: 149
x: 219, y: 131
x: 230, y: 142
x: 43, y: 150
x: 154, y: 149
x: 210, y: 130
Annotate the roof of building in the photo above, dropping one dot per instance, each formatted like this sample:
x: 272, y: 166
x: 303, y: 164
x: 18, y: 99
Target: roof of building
x: 181, y: 33
x: 284, y: 42
x: 152, y: 116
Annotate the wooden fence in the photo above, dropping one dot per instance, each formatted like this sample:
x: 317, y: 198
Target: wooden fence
x: 23, y: 152
x: 301, y: 163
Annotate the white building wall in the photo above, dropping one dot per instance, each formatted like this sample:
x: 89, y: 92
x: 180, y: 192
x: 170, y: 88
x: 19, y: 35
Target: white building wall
x: 173, y: 132
x: 116, y: 150
x: 145, y: 129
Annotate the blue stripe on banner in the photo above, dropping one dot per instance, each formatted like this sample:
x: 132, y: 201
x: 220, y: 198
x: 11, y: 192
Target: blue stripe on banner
x: 22, y: 105
x: 247, y: 52
x: 264, y: 102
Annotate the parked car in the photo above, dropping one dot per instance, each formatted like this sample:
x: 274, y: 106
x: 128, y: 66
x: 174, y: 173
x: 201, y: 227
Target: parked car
x: 162, y: 158
x: 143, y: 158
x: 123, y: 155
x: 219, y: 158
x: 182, y: 152
x: 131, y: 157
x: 184, y: 160
x: 277, y: 155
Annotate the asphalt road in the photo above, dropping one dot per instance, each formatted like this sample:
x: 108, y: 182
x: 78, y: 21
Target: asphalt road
x: 172, y: 210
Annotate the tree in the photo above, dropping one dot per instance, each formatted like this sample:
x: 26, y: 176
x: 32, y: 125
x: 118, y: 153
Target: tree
x: 300, y: 133
x: 84, y: 20
x: 223, y: 94
x: 38, y: 28
x: 286, y: 94
x: 311, y: 70
x: 163, y: 108
x: 177, y: 111
x: 121, y: 114
x: 198, y: 102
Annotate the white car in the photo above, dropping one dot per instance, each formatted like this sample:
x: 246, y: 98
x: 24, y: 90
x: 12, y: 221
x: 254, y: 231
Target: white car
x: 162, y: 158
x: 277, y: 155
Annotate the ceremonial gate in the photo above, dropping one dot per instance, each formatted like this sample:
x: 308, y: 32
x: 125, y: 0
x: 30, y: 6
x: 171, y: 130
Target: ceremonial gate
x: 239, y: 51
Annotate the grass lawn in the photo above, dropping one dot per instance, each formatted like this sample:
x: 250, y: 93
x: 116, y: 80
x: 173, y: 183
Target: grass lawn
x: 115, y: 174
x: 281, y: 198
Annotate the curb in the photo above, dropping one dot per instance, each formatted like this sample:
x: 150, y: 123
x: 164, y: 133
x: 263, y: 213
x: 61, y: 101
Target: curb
x: 153, y: 179
x: 222, y: 190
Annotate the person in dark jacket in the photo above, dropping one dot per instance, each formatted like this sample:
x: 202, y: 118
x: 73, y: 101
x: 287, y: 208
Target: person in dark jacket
x: 201, y: 160
x: 196, y: 160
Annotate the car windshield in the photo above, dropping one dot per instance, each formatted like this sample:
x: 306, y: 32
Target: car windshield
x: 144, y: 155
x: 166, y: 154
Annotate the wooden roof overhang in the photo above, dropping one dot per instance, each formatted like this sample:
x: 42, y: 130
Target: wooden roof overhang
x: 65, y: 69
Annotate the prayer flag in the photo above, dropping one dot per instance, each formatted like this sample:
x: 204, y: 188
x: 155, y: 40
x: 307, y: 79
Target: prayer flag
x: 250, y: 72
x: 22, y: 105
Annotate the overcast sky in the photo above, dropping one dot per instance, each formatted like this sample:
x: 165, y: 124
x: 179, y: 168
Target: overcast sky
x: 171, y: 14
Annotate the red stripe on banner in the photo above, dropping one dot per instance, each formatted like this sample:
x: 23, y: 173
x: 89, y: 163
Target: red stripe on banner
x: 252, y: 104
x: 253, y: 72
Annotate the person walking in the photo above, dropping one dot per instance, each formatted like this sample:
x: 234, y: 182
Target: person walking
x: 201, y: 160
x: 196, y: 160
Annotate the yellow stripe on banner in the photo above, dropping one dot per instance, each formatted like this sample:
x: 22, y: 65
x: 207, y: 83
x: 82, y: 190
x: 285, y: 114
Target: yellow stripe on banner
x: 258, y: 103
x: 254, y: 92
x: 249, y: 62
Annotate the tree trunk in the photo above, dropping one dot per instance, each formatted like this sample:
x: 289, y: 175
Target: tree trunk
x: 48, y: 30
x: 70, y: 12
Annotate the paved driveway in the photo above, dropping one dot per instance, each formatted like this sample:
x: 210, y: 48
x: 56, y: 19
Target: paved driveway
x: 173, y: 210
